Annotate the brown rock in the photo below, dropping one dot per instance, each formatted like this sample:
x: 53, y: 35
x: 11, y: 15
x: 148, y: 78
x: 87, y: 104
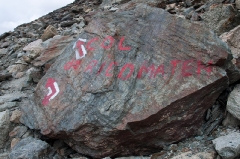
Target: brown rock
x: 52, y: 49
x: 135, y: 81
x: 14, y: 142
x: 17, y: 68
x: 237, y: 2
x: 49, y: 32
x: 16, y: 115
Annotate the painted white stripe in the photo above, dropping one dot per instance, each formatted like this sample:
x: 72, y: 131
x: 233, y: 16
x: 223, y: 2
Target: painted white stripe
x: 57, y: 91
x: 84, y: 50
x: 84, y: 40
x: 49, y: 91
x: 77, y: 55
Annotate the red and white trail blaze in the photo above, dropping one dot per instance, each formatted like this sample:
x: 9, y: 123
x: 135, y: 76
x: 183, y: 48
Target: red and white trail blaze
x: 53, y: 91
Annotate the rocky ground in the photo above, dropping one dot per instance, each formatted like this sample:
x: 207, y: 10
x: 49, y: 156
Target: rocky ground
x: 29, y: 51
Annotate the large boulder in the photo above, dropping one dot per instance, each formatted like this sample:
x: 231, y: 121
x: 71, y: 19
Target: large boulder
x: 133, y: 82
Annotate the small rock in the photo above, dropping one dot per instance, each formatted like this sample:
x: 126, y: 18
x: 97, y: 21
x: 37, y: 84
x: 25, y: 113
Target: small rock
x: 31, y: 148
x: 133, y: 157
x: 228, y: 147
x: 34, y: 74
x: 4, y: 155
x: 18, y: 131
x: 7, y: 105
x: 16, y: 68
x: 26, y: 59
x: 230, y: 120
x: 233, y: 103
x: 113, y: 9
x: 191, y: 155
x: 34, y: 46
x: 5, y: 76
x: 14, y: 142
x: 67, y: 23
x: 88, y: 10
x: 237, y: 2
x: 4, y: 127
x: 5, y: 44
x: 49, y: 32
x: 11, y: 97
x: 3, y: 51
x: 16, y: 115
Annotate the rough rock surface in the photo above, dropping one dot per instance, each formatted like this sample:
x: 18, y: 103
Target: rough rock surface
x: 232, y: 38
x: 30, y: 148
x: 4, y: 127
x: 139, y: 82
x: 228, y: 147
x: 221, y: 17
x: 233, y: 104
x: 190, y: 155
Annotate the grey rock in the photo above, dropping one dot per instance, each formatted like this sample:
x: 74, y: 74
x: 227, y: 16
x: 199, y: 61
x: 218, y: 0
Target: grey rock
x: 7, y: 105
x: 11, y: 97
x: 228, y: 147
x: 5, y: 44
x: 3, y: 51
x: 230, y: 120
x: 113, y: 101
x: 31, y: 148
x: 18, y: 131
x: 4, y: 127
x: 221, y: 18
x: 4, y: 35
x: 17, y: 84
x: 67, y: 23
x: 134, y: 157
x: 5, y: 76
x: 237, y: 2
x: 4, y: 155
x: 233, y: 103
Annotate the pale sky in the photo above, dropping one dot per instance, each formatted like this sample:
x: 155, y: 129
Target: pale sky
x: 17, y: 12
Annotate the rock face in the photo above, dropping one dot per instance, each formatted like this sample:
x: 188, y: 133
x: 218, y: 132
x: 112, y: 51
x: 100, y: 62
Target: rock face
x: 233, y: 40
x: 30, y: 148
x: 228, y: 147
x: 233, y: 104
x: 134, y: 81
x: 4, y: 126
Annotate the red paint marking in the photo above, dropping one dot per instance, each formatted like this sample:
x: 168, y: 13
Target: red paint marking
x: 121, y: 47
x: 152, y: 70
x: 92, y: 64
x: 186, y: 68
x: 79, y: 48
x: 160, y: 69
x: 73, y: 63
x: 109, y: 69
x: 110, y: 39
x: 88, y: 46
x: 101, y: 68
x: 174, y: 64
x: 49, y: 83
x: 129, y: 66
x: 201, y: 66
